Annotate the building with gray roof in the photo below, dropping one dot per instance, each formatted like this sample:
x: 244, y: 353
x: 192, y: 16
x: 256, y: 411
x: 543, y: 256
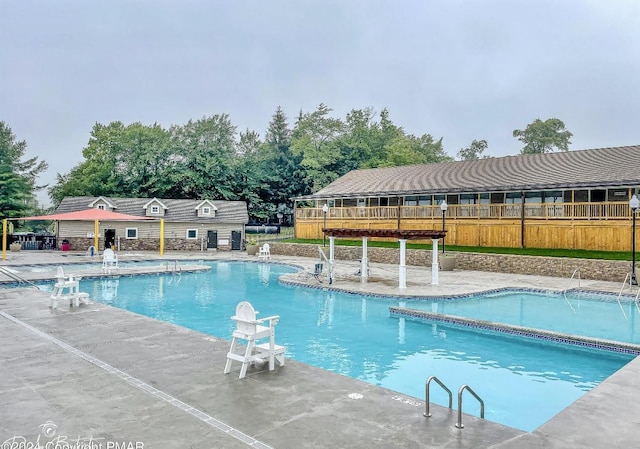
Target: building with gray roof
x: 186, y: 224
x: 541, y: 200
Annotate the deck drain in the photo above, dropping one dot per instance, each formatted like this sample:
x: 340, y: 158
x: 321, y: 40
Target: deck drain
x: 355, y: 396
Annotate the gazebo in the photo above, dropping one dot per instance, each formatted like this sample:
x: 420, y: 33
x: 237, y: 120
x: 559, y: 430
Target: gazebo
x: 401, y: 234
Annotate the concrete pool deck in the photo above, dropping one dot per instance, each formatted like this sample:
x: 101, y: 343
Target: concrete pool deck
x: 118, y: 377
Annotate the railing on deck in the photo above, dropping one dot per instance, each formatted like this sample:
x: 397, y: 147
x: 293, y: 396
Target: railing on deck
x: 582, y: 211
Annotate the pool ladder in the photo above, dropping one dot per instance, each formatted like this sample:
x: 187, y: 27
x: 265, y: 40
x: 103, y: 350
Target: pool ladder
x: 624, y: 284
x: 564, y: 292
x: 459, y: 424
x: 14, y: 277
x: 177, y: 268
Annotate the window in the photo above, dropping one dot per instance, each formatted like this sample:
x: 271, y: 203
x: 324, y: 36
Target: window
x: 192, y: 234
x: 410, y: 200
x: 618, y: 195
x: 332, y: 203
x: 206, y: 210
x: 580, y: 196
x: 468, y: 198
x: 554, y: 196
x: 155, y: 209
x: 533, y: 197
x: 513, y: 198
x: 101, y: 206
x: 132, y: 233
x: 497, y: 198
x: 598, y: 196
x: 362, y: 202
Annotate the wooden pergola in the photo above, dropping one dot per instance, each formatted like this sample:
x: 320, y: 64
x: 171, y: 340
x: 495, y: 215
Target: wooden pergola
x: 401, y: 234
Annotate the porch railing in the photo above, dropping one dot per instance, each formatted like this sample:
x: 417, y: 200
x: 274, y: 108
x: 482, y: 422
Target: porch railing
x: 588, y: 211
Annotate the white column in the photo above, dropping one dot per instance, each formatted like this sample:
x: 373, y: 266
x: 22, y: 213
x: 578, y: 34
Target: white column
x: 364, y: 262
x: 434, y: 263
x: 402, y: 272
x: 332, y: 247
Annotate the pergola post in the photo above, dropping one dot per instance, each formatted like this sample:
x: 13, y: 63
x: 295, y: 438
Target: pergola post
x: 402, y: 271
x: 364, y: 262
x: 4, y: 239
x: 332, y: 249
x: 434, y: 263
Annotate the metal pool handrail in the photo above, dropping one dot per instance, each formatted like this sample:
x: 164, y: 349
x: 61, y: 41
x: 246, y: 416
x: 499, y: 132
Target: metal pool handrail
x: 624, y: 283
x: 564, y: 292
x: 475, y: 395
x: 17, y: 278
x: 427, y: 414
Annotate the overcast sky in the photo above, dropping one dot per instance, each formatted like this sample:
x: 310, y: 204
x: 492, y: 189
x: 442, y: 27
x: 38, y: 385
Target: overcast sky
x: 461, y: 70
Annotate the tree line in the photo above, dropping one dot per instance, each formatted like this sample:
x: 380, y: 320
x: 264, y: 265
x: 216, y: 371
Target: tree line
x: 209, y: 158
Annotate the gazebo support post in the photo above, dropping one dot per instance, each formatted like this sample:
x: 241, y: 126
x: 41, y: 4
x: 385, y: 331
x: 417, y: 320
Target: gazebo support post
x: 364, y: 262
x: 434, y: 263
x: 402, y: 271
x: 4, y: 239
x: 332, y: 248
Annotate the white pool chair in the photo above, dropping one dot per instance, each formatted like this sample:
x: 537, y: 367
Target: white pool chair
x: 265, y: 252
x: 67, y: 288
x: 109, y: 261
x: 251, y: 329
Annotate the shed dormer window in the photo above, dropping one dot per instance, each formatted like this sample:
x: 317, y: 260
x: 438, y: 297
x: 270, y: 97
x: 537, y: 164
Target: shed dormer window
x: 206, y: 211
x: 155, y: 209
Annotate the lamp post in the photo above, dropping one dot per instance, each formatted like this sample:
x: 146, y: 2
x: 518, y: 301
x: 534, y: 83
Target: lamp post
x: 325, y: 209
x: 443, y: 208
x: 634, y: 203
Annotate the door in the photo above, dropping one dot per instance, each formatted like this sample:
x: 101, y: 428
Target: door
x: 212, y: 239
x: 236, y: 240
x: 109, y: 238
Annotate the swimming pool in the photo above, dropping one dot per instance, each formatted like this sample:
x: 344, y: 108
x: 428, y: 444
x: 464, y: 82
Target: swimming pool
x: 523, y: 382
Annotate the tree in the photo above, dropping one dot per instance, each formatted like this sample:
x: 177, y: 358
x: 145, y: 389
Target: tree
x: 98, y: 174
x: 282, y: 174
x: 544, y: 137
x: 315, y: 139
x: 17, y: 176
x: 474, y: 151
x: 409, y: 149
x: 202, y: 154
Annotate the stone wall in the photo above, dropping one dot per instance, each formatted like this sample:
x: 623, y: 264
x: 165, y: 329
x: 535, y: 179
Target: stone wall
x: 82, y: 244
x: 604, y: 270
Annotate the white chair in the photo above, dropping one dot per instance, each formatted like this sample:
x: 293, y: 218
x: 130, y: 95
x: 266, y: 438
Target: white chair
x: 251, y: 329
x: 109, y: 261
x: 67, y: 288
x: 264, y: 253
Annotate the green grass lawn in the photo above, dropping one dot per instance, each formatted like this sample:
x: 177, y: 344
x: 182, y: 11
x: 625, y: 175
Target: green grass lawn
x: 569, y: 253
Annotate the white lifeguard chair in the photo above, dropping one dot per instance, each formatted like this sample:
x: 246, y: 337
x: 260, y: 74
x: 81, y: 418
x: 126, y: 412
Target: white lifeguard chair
x: 67, y: 288
x: 109, y: 261
x: 265, y: 252
x: 251, y: 330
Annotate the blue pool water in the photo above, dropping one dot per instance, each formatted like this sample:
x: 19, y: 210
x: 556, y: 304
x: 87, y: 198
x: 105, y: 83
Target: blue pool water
x: 579, y: 313
x: 523, y: 382
x: 75, y: 267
